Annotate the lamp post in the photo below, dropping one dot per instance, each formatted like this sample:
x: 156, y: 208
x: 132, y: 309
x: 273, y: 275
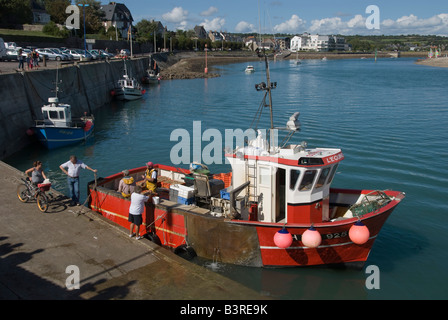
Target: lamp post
x: 84, y: 5
x: 206, y: 69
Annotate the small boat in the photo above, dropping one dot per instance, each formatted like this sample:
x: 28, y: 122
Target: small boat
x: 249, y: 69
x: 128, y: 88
x: 151, y: 77
x: 275, y: 208
x: 324, y: 59
x: 58, y: 128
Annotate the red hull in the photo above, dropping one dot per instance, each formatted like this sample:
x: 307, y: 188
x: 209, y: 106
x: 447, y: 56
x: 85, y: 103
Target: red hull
x: 240, y: 241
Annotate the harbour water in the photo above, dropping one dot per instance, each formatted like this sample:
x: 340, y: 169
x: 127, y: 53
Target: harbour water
x: 390, y: 119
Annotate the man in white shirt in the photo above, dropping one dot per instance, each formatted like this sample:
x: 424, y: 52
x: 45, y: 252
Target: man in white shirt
x: 72, y: 168
x: 135, y: 211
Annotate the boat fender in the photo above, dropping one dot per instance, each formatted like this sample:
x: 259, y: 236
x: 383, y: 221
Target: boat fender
x: 359, y: 233
x: 151, y: 236
x: 88, y: 125
x: 283, y: 239
x: 311, y: 238
x: 185, y: 251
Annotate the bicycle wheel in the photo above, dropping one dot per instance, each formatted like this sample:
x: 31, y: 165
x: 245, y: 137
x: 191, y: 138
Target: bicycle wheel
x: 42, y: 202
x: 23, y: 193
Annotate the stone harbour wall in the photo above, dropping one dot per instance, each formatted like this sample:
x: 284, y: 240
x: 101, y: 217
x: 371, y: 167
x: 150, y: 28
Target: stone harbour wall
x: 85, y: 86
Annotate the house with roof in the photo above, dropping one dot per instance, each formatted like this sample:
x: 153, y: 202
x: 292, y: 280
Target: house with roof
x: 200, y: 32
x: 40, y: 15
x: 117, y: 15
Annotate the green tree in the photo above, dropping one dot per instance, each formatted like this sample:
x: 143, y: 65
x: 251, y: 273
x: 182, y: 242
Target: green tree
x: 56, y: 10
x: 15, y: 12
x: 94, y: 15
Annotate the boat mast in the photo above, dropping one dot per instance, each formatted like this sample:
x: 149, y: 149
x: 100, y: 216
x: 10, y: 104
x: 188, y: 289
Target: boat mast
x: 268, y: 88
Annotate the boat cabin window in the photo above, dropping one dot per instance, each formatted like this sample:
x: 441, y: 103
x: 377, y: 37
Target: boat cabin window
x: 45, y: 114
x: 294, y: 176
x: 307, y: 180
x: 323, y: 177
x: 333, y: 171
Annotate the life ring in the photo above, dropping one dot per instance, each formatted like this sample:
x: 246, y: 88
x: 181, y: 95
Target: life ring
x: 185, y: 251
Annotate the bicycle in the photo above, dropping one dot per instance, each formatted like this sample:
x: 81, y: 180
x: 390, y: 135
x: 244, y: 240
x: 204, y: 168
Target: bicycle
x: 27, y: 192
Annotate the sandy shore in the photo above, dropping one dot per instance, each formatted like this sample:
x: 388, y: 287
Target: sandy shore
x: 191, y: 66
x: 434, y: 62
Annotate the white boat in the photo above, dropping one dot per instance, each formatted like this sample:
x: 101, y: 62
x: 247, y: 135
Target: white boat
x: 250, y: 69
x: 128, y: 88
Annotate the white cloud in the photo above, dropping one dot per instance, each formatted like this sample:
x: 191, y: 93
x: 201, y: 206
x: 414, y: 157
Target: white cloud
x: 410, y: 24
x: 177, y: 15
x: 245, y: 27
x: 215, y: 24
x: 290, y: 26
x: 210, y: 11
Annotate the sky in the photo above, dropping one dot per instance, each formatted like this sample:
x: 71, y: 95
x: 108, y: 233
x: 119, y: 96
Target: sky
x: 349, y: 17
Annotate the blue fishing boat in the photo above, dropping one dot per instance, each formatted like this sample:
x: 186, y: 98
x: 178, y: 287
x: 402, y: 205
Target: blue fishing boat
x: 58, y: 128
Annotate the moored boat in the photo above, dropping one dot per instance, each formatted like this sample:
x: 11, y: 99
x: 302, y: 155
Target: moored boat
x: 58, y: 128
x: 275, y: 208
x: 128, y: 88
x: 249, y: 69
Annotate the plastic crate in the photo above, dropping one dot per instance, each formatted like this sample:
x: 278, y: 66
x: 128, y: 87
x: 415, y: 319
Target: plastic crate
x: 183, y: 200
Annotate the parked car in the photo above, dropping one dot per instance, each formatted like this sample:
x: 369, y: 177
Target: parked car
x: 62, y: 51
x: 79, y: 54
x: 51, y: 55
x: 95, y: 55
x: 11, y: 54
x: 101, y: 54
x: 10, y: 45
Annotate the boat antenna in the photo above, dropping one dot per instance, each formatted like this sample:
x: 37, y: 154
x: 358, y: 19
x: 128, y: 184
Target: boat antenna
x: 267, y: 87
x: 57, y: 81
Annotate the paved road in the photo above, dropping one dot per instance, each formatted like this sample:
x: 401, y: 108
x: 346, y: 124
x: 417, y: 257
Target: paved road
x: 37, y: 248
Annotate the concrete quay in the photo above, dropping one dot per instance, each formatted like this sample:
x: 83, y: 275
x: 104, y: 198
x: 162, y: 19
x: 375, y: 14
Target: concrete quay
x: 40, y: 253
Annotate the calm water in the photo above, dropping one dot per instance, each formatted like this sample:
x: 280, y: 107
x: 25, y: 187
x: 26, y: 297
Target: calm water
x: 390, y: 118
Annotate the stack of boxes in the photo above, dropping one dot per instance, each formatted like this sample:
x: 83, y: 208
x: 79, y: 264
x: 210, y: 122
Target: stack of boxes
x: 181, y: 194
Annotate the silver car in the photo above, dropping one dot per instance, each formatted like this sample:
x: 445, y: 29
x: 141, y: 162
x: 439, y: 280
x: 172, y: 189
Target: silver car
x: 51, y: 55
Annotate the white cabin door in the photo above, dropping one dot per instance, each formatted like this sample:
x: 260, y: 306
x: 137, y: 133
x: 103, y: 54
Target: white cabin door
x: 266, y: 192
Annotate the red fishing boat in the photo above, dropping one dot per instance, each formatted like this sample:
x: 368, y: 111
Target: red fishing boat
x: 276, y: 207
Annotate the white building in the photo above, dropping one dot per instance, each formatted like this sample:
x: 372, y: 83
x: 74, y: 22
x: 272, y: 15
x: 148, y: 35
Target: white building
x: 316, y: 42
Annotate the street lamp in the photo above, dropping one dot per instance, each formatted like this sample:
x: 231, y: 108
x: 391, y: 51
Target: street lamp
x: 206, y: 69
x: 84, y: 13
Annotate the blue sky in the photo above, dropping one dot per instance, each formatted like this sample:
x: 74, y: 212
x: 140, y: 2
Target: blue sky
x: 296, y: 16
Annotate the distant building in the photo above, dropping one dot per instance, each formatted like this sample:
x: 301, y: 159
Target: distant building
x: 40, y: 15
x: 117, y: 15
x: 215, y: 36
x: 200, y: 32
x: 316, y: 42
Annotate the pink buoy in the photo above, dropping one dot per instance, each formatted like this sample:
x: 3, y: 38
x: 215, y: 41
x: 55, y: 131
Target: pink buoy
x: 283, y: 238
x: 311, y: 238
x: 359, y: 233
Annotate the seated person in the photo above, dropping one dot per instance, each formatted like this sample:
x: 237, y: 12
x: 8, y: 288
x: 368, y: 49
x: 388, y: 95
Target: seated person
x: 127, y: 184
x: 37, y: 173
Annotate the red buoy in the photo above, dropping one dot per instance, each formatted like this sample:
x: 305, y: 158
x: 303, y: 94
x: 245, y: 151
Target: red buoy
x: 112, y: 92
x: 311, y: 238
x: 283, y: 238
x: 29, y: 132
x: 359, y: 233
